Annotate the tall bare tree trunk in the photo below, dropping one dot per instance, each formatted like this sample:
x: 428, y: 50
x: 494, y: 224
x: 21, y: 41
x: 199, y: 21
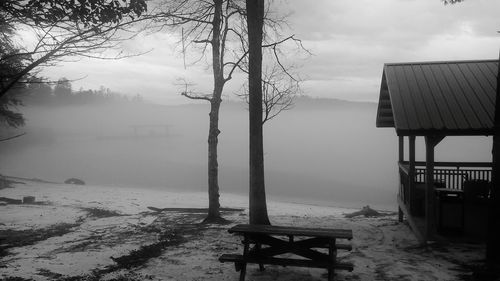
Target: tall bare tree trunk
x: 255, y: 20
x: 493, y: 244
x: 213, y: 165
x: 213, y: 132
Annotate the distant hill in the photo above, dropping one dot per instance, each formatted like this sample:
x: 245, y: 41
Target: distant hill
x: 308, y: 102
x: 300, y: 103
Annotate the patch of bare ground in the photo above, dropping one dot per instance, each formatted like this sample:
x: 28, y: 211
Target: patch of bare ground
x: 16, y: 279
x: 95, y: 276
x: 174, y: 227
x: 100, y: 213
x: 169, y: 229
x: 140, y: 256
x: 10, y: 238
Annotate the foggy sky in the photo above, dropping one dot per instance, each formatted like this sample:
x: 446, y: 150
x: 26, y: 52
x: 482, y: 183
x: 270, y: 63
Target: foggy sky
x: 350, y: 40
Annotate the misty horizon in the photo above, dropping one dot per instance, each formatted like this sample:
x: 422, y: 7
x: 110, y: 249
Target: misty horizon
x: 322, y: 151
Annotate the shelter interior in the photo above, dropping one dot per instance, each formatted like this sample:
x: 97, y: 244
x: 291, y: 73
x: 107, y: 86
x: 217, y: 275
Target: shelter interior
x: 456, y: 199
x: 432, y: 101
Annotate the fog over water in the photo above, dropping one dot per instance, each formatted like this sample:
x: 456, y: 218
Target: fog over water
x: 322, y: 152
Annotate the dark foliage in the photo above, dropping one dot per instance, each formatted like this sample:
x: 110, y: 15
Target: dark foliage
x: 94, y: 13
x: 63, y: 28
x: 9, y: 117
x: 9, y: 66
x: 39, y: 92
x: 84, y: 21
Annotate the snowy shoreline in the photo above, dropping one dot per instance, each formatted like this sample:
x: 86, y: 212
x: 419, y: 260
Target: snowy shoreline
x: 96, y: 223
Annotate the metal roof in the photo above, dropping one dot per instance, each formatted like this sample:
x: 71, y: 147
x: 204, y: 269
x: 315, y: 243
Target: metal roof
x: 438, y: 98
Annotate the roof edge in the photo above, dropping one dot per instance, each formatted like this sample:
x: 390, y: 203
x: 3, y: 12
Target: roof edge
x: 439, y: 62
x: 446, y: 132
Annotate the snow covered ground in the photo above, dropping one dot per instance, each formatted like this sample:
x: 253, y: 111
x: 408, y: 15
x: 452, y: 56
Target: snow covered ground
x: 109, y: 233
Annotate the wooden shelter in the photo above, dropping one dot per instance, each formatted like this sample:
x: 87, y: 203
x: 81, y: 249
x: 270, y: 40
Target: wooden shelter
x: 434, y: 100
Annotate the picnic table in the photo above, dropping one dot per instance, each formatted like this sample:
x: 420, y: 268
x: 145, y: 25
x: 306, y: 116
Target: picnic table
x: 279, y: 240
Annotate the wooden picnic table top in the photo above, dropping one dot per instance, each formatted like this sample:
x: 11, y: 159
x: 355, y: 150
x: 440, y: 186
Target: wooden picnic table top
x: 291, y: 230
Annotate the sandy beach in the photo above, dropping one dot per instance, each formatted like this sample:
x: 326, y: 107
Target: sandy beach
x: 111, y: 233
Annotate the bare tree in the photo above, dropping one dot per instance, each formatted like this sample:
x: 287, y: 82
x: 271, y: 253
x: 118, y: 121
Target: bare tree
x: 216, y: 29
x: 62, y: 29
x: 257, y: 192
x: 279, y: 91
x: 207, y: 24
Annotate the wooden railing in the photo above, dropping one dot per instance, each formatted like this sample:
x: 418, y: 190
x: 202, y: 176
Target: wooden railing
x: 449, y: 175
x: 453, y: 175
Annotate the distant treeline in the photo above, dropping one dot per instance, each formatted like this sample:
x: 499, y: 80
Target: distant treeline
x: 39, y: 92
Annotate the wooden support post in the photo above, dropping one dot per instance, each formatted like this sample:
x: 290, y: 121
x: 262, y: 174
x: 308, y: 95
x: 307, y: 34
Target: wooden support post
x: 401, y: 149
x: 411, y: 174
x: 492, y: 241
x: 400, y: 160
x: 429, y: 189
x: 430, y: 196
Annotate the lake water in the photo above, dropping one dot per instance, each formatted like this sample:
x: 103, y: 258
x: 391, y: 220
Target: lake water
x: 327, y: 153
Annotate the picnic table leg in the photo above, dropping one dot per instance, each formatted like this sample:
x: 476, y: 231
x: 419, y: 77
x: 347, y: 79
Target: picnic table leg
x: 246, y: 243
x: 243, y: 271
x: 332, y: 255
x: 258, y: 246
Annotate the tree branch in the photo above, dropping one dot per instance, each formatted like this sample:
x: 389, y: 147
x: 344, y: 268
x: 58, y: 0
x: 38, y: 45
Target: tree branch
x: 12, y: 137
x: 193, y: 97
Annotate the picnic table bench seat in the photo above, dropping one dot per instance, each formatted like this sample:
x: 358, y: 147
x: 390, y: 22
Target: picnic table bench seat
x: 305, y: 248
x: 239, y: 259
